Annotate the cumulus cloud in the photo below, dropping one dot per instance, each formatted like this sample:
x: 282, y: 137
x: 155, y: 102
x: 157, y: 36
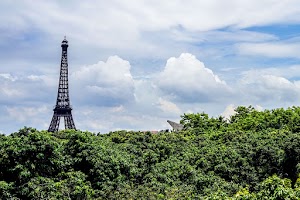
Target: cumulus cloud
x: 267, y: 88
x: 146, y: 33
x: 25, y: 113
x: 23, y: 90
x: 107, y: 83
x: 48, y: 80
x: 107, y: 97
x: 187, y: 79
x: 168, y: 107
x: 8, y: 77
x: 35, y: 116
x: 7, y: 89
x: 229, y: 111
x: 6, y: 81
x: 24, y: 101
x: 105, y: 119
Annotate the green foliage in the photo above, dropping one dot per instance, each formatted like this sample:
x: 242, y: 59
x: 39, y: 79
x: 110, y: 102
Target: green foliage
x: 6, y: 190
x: 202, y: 122
x: 70, y: 185
x: 252, y: 155
x: 272, y: 188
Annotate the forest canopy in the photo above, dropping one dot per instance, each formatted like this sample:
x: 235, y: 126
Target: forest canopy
x: 252, y: 155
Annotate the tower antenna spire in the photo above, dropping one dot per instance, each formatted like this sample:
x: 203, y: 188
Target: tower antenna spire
x: 63, y: 107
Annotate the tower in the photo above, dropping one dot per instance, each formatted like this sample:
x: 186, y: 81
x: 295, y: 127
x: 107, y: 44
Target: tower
x: 63, y: 107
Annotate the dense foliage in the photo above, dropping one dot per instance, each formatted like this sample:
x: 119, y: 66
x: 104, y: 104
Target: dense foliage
x: 253, y: 155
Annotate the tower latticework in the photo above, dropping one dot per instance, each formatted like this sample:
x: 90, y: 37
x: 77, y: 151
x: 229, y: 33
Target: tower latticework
x: 63, y: 107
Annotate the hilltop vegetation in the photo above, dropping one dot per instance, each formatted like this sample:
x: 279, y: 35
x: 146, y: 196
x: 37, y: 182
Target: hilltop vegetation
x: 254, y: 155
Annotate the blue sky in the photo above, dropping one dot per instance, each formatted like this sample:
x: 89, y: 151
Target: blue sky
x: 136, y: 64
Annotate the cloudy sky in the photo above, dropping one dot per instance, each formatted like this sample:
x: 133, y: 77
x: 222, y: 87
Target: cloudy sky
x: 136, y: 63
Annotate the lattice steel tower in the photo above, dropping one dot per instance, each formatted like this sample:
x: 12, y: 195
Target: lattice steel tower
x: 63, y: 107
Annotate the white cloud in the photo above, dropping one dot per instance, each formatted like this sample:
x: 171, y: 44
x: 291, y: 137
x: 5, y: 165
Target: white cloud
x: 187, y: 79
x: 11, y: 92
x: 269, y: 88
x: 104, y: 83
x: 22, y: 90
x: 8, y: 77
x: 8, y: 91
x: 229, y: 111
x: 119, y: 26
x: 108, y: 95
x: 37, y: 116
x: 105, y: 119
x: 218, y: 36
x: 168, y: 107
x: 25, y: 113
x: 45, y: 80
x: 118, y: 109
x: 271, y: 49
x: 259, y: 108
x: 146, y: 96
x: 289, y: 72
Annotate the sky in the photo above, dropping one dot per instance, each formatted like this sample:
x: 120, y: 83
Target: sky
x: 134, y: 64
